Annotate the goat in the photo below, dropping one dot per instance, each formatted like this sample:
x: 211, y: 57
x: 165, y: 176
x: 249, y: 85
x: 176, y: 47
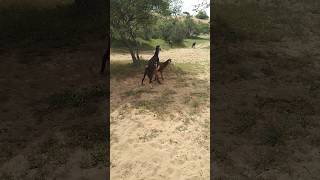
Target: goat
x: 161, y: 68
x: 153, y: 66
x: 193, y: 45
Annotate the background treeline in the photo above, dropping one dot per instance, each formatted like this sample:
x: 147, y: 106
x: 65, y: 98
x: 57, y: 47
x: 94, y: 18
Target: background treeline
x: 176, y: 29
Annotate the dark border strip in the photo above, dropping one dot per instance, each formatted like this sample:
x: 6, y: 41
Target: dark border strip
x: 212, y: 95
x: 108, y: 93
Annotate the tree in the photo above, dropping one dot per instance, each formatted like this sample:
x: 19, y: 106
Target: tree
x: 191, y: 26
x: 175, y: 7
x: 202, y: 15
x: 172, y: 30
x: 202, y: 5
x: 128, y: 17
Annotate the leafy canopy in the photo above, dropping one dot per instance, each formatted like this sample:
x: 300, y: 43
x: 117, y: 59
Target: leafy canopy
x: 129, y: 16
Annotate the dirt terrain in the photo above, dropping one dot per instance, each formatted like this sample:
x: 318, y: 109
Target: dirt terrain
x: 266, y: 121
x: 161, y: 132
x: 53, y: 113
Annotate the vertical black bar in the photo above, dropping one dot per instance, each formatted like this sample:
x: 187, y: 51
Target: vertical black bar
x: 212, y: 77
x: 108, y: 93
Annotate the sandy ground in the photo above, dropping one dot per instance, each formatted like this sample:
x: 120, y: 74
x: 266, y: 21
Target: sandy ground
x: 162, y: 132
x: 267, y: 103
x: 41, y: 142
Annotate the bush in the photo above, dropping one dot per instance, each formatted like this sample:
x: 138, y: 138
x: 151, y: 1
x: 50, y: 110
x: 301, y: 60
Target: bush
x: 202, y: 15
x: 178, y: 32
x: 173, y: 30
x: 169, y: 29
x: 192, y: 28
x: 203, y: 28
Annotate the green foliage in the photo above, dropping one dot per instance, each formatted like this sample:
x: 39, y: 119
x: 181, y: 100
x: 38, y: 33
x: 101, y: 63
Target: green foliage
x: 175, y: 7
x: 202, y: 15
x: 203, y: 28
x: 191, y: 27
x: 139, y: 21
x: 131, y: 19
x: 128, y: 18
x: 174, y: 30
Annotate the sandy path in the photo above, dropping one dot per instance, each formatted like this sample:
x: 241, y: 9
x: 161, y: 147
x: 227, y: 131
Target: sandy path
x: 146, y: 144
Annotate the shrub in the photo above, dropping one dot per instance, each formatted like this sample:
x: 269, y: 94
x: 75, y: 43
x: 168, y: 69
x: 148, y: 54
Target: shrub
x: 173, y: 30
x: 202, y: 15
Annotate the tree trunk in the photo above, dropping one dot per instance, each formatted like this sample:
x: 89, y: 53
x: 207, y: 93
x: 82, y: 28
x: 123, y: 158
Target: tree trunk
x: 137, y: 53
x: 133, y: 52
x: 133, y: 55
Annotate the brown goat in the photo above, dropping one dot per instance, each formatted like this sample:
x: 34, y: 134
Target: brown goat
x: 161, y: 68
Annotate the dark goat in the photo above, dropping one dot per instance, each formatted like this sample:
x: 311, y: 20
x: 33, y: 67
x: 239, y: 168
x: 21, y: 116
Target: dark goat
x: 153, y: 65
x: 193, y: 45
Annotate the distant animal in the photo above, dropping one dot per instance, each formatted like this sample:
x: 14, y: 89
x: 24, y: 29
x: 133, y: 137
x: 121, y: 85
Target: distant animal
x: 193, y: 45
x: 163, y: 65
x: 152, y: 66
x: 170, y: 43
